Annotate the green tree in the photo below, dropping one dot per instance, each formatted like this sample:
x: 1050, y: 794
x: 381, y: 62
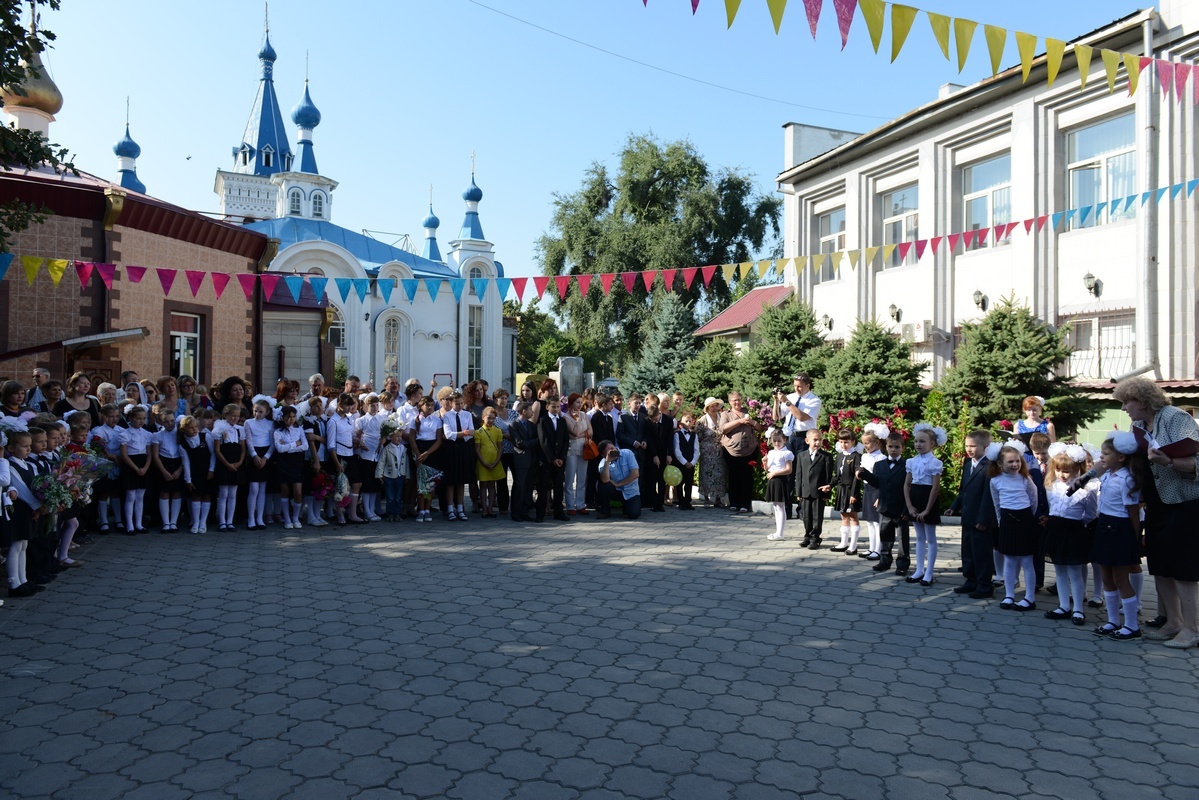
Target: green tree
x: 873, y: 375
x: 668, y: 348
x: 23, y: 149
x: 711, y: 373
x: 664, y: 209
x: 1005, y: 357
x: 533, y: 328
x: 785, y: 342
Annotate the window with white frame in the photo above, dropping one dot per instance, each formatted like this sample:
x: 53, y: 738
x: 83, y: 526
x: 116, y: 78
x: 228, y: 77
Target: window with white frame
x: 830, y: 228
x: 185, y: 345
x: 475, y: 272
x: 337, y: 332
x: 267, y: 155
x: 318, y: 205
x: 1102, y: 167
x: 293, y: 202
x: 391, y: 347
x: 987, y: 197
x: 474, y: 344
x: 901, y: 220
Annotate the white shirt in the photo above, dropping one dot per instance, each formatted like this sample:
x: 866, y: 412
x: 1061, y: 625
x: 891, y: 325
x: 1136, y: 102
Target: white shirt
x: 777, y: 459
x: 924, y: 469
x: 194, y: 442
x: 426, y: 428
x: 136, y: 441
x: 167, y: 442
x: 456, y: 422
x: 368, y: 427
x: 870, y: 459
x: 1116, y: 492
x: 1083, y: 505
x: 260, y: 431
x: 1013, y: 492
x: 290, y: 440
x: 809, y: 404
x: 339, y: 436
x: 678, y: 452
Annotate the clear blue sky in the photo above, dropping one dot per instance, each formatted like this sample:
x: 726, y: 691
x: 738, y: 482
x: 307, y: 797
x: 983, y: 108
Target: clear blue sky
x: 408, y: 89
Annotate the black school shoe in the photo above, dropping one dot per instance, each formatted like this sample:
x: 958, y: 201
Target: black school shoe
x: 1124, y: 634
x: 1156, y: 622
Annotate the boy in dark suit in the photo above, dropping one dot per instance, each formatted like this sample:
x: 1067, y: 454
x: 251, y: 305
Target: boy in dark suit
x: 526, y: 448
x: 973, y: 504
x: 632, y: 434
x: 603, y: 429
x: 813, y: 484
x: 659, y: 451
x: 888, y: 477
x: 554, y: 438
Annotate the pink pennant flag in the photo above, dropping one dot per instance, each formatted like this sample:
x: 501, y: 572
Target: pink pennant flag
x: 707, y: 273
x: 936, y: 240
x: 694, y: 5
x: 135, y: 274
x: 563, y: 282
x: 920, y: 245
x: 195, y: 279
x: 584, y: 282
x: 968, y: 239
x: 1028, y: 224
x: 606, y: 279
x: 247, y: 284
x: 689, y: 277
x: 269, y: 282
x: 952, y: 241
x: 84, y: 269
x: 1011, y: 226
x: 167, y: 278
x: 1181, y: 73
x: 540, y: 282
x: 629, y: 279
x: 519, y: 285
x: 668, y: 278
x: 1041, y: 222
x: 107, y: 273
x: 219, y: 281
x: 1165, y: 74
x: 813, y: 8
x: 647, y: 277
x: 904, y: 247
x: 844, y: 9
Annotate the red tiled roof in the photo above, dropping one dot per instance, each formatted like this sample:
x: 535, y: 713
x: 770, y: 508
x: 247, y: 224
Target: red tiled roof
x: 745, y: 311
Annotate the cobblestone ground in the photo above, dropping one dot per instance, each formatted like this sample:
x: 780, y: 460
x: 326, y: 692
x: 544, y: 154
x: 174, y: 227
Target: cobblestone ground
x: 683, y: 656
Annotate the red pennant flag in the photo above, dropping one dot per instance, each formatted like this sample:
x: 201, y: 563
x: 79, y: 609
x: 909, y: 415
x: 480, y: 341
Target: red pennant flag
x: 936, y: 240
x: 1011, y: 226
x: 996, y: 233
x: 219, y: 281
x: 519, y: 285
x: 689, y: 277
x: 1165, y: 75
x: 540, y: 282
x: 968, y: 239
x: 247, y: 284
x: 195, y: 279
x: 84, y: 268
x: 952, y: 241
x: 135, y: 274
x: 1181, y: 73
x: 606, y: 279
x: 628, y: 279
x: 647, y: 277
x: 269, y: 282
x: 107, y: 273
x: 813, y: 8
x: 167, y: 278
x: 1028, y: 224
x: 844, y: 9
x: 563, y: 282
x: 1041, y: 222
x: 707, y: 273
x: 920, y: 245
x: 668, y: 278
x: 584, y: 282
x: 904, y: 247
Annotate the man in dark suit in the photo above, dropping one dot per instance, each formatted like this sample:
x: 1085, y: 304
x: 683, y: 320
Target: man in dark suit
x: 659, y: 452
x: 603, y: 429
x: 526, y: 451
x: 888, y: 477
x: 974, y: 505
x: 813, y: 484
x: 632, y: 434
x: 554, y: 439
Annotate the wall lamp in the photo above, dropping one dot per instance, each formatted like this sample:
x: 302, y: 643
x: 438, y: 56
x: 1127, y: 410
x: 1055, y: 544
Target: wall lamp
x: 980, y: 300
x: 827, y: 322
x: 1093, y: 284
x: 895, y: 311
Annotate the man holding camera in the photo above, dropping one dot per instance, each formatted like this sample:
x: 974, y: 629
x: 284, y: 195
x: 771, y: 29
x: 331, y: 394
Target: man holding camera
x: 618, y: 481
x: 798, y: 413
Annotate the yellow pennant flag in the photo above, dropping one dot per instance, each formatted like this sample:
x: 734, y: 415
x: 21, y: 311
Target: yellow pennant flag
x: 801, y: 262
x: 744, y: 268
x: 776, y: 12
x: 871, y: 252
x: 888, y: 250
x: 1111, y: 63
x: 854, y: 256
x: 836, y: 259
x: 940, y: 26
x: 1054, y: 49
x: 729, y: 271
x: 996, y: 41
x: 780, y: 266
x: 818, y: 262
x: 56, y: 267
x: 1133, y: 65
x: 902, y: 18
x: 763, y: 267
x: 1082, y: 54
x: 1026, y: 43
x: 963, y: 33
x: 31, y: 264
x: 873, y: 12
x: 730, y: 9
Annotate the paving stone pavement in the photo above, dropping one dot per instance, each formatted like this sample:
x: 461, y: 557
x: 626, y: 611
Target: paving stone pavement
x: 680, y: 656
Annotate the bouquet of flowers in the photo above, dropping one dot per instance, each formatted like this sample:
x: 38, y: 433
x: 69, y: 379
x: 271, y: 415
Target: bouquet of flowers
x: 322, y: 484
x: 54, y: 496
x: 427, y: 479
x: 341, y: 494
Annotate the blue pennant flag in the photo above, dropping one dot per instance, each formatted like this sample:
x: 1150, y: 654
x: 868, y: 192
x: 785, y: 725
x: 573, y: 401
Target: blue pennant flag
x: 343, y: 286
x: 433, y: 286
x: 1056, y: 219
x: 1145, y: 197
x: 386, y: 285
x: 1161, y: 193
x: 295, y: 285
x: 5, y: 260
x: 410, y: 285
x: 1099, y: 209
x: 318, y: 287
x: 1175, y: 189
x: 1082, y: 214
x: 1190, y: 190
x: 362, y: 286
x: 456, y: 286
x: 480, y: 285
x: 502, y: 285
x: 1128, y: 202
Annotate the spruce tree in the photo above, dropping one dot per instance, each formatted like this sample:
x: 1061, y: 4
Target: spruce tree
x: 785, y: 342
x: 711, y: 373
x: 873, y: 375
x: 668, y: 346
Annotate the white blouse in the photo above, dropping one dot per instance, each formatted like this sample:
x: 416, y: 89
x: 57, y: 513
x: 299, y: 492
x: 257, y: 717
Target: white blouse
x: 167, y: 442
x: 290, y: 440
x: 136, y: 441
x: 1012, y: 492
x: 1083, y: 505
x: 777, y: 459
x: 1116, y: 492
x: 924, y: 469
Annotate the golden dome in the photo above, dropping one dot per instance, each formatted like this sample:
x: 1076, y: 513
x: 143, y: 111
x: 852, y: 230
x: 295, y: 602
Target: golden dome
x: 38, y: 93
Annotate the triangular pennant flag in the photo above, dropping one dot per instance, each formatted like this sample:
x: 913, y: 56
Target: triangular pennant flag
x: 801, y: 263
x: 1191, y: 185
x: 1115, y: 206
x: 1028, y: 225
x: 952, y: 241
x: 1111, y: 64
x: 135, y: 274
x: 871, y: 252
x: 902, y: 18
x: 996, y: 40
x: 363, y: 287
x: 668, y: 278
x: 563, y: 282
x: 519, y: 285
x: 409, y: 285
x: 1145, y: 197
x: 345, y: 284
x: 1161, y: 193
x: 968, y: 238
x: 730, y: 271
x: 387, y: 286
x: 708, y: 273
x: 219, y: 281
x: 963, y: 34
x: 432, y: 286
x: 1055, y: 220
x: 318, y: 284
x: 82, y: 268
x: 904, y: 247
x: 247, y: 284
x: 933, y: 242
x: 818, y: 261
x: 5, y: 261
x: 776, y: 14
x: 1041, y: 222
x: 1099, y: 207
x: 873, y: 12
x: 940, y: 26
x: 647, y: 278
x: 295, y: 286
x: 107, y: 273
x: 730, y: 10
x: 1083, y: 213
x: 1026, y: 46
x: 920, y: 245
x: 269, y: 282
x: 694, y: 6
x: 780, y: 266
x: 743, y: 268
x: 503, y: 284
x: 812, y: 7
x: 1134, y: 65
x: 629, y: 279
x: 1181, y: 73
x: 854, y: 257
x: 763, y: 267
x: 1011, y: 226
x: 480, y: 286
x: 195, y: 279
x: 1054, y: 50
x: 166, y: 277
x: 457, y: 286
x: 997, y: 233
x: 1082, y: 54
x: 689, y: 276
x: 1070, y: 216
x: 606, y: 279
x: 836, y: 259
x: 844, y: 9
x: 1165, y: 75
x: 56, y: 267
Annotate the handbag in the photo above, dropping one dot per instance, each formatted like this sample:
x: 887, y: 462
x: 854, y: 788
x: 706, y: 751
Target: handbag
x: 590, y: 451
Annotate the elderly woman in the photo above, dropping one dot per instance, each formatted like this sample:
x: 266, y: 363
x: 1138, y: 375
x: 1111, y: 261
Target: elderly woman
x: 711, y: 459
x: 1171, y: 506
x: 739, y: 438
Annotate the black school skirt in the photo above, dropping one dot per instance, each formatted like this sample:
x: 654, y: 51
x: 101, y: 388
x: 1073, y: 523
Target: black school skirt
x: 1018, y: 534
x: 231, y: 452
x: 263, y: 474
x: 289, y: 468
x: 170, y: 465
x: 778, y: 489
x: 130, y: 480
x: 1116, y: 544
x: 1068, y: 542
x: 920, y: 494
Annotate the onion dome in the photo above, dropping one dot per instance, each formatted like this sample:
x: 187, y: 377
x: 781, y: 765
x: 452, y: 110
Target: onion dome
x: 126, y: 147
x: 267, y: 53
x: 431, y: 221
x: 39, y: 93
x: 305, y: 114
x: 473, y: 193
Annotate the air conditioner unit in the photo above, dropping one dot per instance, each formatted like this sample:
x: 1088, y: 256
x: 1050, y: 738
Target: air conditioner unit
x: 924, y: 331
x: 907, y: 332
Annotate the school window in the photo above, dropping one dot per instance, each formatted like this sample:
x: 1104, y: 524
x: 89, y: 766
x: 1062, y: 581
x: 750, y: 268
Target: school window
x: 337, y: 332
x: 831, y: 231
x: 987, y: 198
x: 318, y: 205
x: 391, y: 347
x: 1102, y: 167
x: 474, y: 344
x: 901, y: 223
x: 475, y: 272
x: 185, y: 345
x: 293, y: 202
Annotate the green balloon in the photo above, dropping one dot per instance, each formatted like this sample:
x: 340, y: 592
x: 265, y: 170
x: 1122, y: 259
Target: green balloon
x: 673, y: 475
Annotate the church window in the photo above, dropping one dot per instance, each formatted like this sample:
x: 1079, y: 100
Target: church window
x: 293, y: 200
x: 475, y: 272
x: 318, y: 205
x: 474, y: 344
x: 337, y: 332
x: 391, y: 347
x: 267, y: 154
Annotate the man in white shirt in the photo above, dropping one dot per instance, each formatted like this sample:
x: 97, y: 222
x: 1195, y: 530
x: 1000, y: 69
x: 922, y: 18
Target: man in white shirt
x: 800, y: 413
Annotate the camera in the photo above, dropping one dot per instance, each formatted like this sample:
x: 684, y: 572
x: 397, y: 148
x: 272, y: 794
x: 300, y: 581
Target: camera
x: 778, y: 392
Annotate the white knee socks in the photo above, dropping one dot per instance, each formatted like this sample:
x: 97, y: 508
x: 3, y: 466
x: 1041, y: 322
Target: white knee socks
x: 1112, y: 601
x: 1137, y: 579
x: 854, y: 532
x: 780, y: 518
x: 926, y: 550
x: 15, y: 565
x: 844, y: 544
x: 64, y: 540
x: 874, y: 532
x: 1130, y: 607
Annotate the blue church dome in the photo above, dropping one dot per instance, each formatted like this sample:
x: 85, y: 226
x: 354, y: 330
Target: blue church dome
x: 473, y: 193
x: 305, y: 114
x: 431, y: 221
x: 126, y: 147
x: 267, y: 53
